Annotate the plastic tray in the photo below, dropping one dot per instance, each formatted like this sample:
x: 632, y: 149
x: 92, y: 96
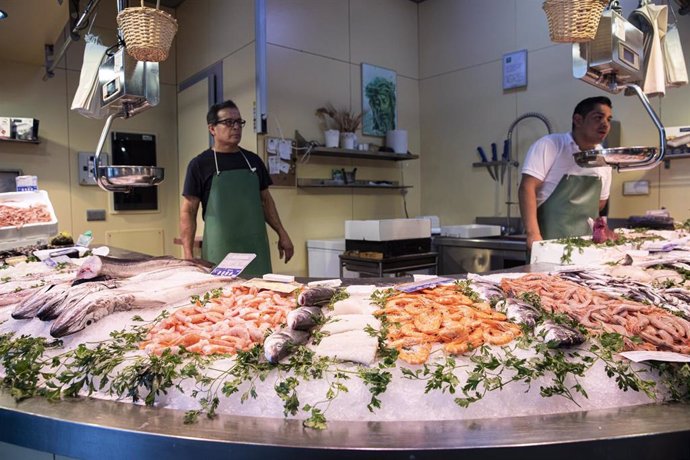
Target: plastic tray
x: 29, y: 234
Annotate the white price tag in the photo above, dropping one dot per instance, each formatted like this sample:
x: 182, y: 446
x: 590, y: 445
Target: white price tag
x: 233, y: 264
x: 285, y: 149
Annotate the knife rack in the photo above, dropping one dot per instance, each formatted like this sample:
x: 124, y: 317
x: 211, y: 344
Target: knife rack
x: 496, y: 169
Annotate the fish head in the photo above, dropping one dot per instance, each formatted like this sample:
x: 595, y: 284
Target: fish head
x: 78, y: 317
x: 90, y: 268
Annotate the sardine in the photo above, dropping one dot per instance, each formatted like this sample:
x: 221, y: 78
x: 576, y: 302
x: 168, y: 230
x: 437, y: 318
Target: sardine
x: 280, y: 344
x: 113, y: 267
x: 304, y: 318
x: 519, y: 311
x: 557, y: 335
x: 319, y: 295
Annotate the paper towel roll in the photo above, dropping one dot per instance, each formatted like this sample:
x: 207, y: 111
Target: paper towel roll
x: 397, y: 140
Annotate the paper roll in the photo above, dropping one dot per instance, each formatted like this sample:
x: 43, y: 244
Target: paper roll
x: 397, y: 140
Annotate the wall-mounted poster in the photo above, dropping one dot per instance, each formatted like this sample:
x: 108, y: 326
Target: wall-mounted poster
x: 378, y: 100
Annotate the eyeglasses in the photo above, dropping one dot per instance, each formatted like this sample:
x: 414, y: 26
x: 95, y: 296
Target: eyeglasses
x: 230, y: 122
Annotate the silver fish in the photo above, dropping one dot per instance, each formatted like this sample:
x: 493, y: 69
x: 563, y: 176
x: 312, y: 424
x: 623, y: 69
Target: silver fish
x: 113, y: 267
x: 557, y: 335
x: 279, y: 344
x: 60, y: 301
x: 30, y: 306
x: 304, y: 318
x: 519, y: 311
x: 319, y: 295
x: 97, y: 305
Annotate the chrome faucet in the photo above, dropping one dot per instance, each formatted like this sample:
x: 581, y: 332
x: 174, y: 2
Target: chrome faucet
x: 513, y: 162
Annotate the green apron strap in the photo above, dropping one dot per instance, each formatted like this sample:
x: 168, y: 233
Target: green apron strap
x: 565, y: 211
x: 234, y: 220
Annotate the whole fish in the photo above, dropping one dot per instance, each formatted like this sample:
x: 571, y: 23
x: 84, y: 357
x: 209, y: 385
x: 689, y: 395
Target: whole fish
x: 557, y: 335
x: 113, y: 267
x: 97, y: 305
x: 304, y: 318
x: 30, y: 305
x: 319, y: 295
x: 60, y: 301
x: 519, y: 311
x: 280, y: 344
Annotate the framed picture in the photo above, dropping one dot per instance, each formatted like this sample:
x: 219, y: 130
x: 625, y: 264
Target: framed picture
x: 515, y: 69
x: 378, y: 100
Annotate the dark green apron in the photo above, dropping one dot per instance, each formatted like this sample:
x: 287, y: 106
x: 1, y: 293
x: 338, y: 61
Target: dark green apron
x: 234, y: 220
x: 565, y: 211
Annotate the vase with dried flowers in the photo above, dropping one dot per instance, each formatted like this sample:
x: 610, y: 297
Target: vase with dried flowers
x: 342, y: 120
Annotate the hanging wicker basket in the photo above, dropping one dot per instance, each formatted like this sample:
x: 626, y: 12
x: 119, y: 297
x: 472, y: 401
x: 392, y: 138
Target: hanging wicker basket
x: 573, y: 21
x: 148, y: 32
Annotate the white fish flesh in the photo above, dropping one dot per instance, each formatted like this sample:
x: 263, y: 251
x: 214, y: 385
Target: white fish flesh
x: 304, y: 318
x: 342, y: 323
x: 281, y: 343
x: 355, y: 346
x: 352, y: 306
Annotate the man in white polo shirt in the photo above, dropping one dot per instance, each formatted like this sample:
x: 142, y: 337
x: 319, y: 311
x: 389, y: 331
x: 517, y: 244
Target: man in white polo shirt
x: 556, y: 195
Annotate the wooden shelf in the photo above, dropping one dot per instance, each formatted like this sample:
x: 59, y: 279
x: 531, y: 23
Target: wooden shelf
x: 330, y: 183
x: 22, y: 141
x: 362, y: 154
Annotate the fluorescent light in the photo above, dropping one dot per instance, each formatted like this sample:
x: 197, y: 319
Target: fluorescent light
x: 3, y: 15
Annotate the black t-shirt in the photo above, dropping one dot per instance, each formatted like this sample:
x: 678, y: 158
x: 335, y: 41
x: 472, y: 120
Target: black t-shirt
x: 202, y: 168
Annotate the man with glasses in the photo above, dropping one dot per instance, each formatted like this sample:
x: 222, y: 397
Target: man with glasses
x: 231, y: 184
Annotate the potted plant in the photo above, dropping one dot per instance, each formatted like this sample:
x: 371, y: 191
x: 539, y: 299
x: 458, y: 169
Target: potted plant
x: 343, y: 122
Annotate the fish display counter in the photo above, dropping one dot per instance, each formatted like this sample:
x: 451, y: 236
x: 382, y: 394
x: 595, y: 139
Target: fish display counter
x: 513, y: 423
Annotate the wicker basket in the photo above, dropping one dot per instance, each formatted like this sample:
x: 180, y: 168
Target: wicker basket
x: 573, y: 21
x: 148, y: 32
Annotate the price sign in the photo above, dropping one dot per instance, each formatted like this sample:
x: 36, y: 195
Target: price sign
x: 233, y: 264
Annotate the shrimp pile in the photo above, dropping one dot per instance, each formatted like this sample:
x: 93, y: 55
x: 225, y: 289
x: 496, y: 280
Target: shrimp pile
x: 237, y: 320
x: 442, y: 315
x: 598, y: 312
x: 16, y: 216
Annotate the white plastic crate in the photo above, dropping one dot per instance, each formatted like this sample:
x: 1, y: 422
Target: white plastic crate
x: 28, y: 234
x: 471, y: 231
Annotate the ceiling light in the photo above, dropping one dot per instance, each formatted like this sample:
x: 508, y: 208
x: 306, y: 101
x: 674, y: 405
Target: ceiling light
x: 3, y: 15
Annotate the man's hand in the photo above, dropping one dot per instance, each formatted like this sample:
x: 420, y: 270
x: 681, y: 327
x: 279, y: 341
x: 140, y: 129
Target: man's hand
x: 285, y: 248
x: 531, y: 239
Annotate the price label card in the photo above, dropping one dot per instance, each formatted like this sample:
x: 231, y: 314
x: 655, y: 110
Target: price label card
x: 233, y: 264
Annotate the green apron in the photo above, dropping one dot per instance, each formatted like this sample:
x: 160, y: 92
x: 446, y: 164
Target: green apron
x: 234, y: 220
x: 565, y: 211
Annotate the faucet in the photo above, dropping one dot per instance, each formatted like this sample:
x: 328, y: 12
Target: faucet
x: 513, y: 162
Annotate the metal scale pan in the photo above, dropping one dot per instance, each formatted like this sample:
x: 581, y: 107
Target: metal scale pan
x: 613, y: 61
x: 127, y: 87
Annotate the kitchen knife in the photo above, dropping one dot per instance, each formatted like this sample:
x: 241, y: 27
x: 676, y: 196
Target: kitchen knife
x: 482, y: 154
x: 485, y: 160
x: 505, y: 157
x: 494, y: 158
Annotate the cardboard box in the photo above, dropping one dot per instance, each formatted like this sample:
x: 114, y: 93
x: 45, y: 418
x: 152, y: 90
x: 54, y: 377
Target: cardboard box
x: 388, y: 229
x: 28, y: 234
x: 25, y: 129
x: 5, y: 128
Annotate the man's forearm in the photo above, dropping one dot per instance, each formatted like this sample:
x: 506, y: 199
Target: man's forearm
x: 527, y: 197
x: 271, y: 214
x: 187, y: 234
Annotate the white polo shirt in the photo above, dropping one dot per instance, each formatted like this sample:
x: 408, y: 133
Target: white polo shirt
x: 551, y: 157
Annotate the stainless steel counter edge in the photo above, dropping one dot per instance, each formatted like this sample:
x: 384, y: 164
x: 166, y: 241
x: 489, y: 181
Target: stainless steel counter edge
x: 89, y: 428
x: 499, y: 243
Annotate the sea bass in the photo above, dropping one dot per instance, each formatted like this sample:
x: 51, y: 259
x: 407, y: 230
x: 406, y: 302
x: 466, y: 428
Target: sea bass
x: 32, y: 304
x: 519, y: 311
x: 319, y: 295
x: 304, y: 318
x: 97, y: 305
x: 113, y: 267
x: 60, y: 301
x: 280, y: 344
x: 557, y: 335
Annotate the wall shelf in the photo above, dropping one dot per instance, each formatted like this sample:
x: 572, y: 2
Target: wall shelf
x: 361, y: 154
x: 330, y: 183
x: 22, y: 141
